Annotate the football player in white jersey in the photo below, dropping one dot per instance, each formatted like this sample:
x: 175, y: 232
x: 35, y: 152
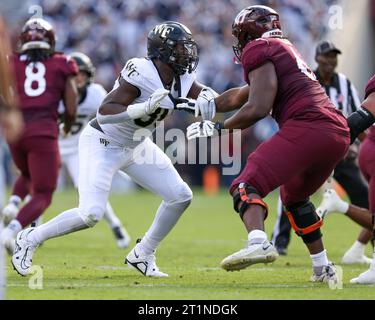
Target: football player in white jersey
x: 144, y: 93
x: 90, y: 97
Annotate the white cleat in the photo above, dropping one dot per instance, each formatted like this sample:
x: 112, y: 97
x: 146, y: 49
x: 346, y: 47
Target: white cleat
x: 355, y: 257
x: 145, y: 264
x: 256, y: 253
x: 10, y: 212
x: 331, y: 203
x: 23, y: 253
x: 122, y: 237
x: 329, y: 274
x: 367, y: 277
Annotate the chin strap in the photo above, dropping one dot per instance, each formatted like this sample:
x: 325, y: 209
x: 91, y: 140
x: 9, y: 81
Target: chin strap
x: 274, y: 33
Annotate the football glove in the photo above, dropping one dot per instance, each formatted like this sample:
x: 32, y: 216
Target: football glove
x: 153, y: 102
x: 204, y: 105
x: 138, y: 110
x: 203, y: 129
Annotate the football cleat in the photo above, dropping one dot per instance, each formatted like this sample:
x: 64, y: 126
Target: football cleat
x: 331, y: 203
x: 256, y: 253
x: 145, y: 264
x: 355, y: 257
x: 23, y: 252
x: 10, y: 212
x: 328, y: 274
x: 122, y: 237
x: 367, y: 277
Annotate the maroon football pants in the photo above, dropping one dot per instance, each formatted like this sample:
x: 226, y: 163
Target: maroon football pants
x: 38, y: 160
x: 298, y: 158
x: 367, y: 165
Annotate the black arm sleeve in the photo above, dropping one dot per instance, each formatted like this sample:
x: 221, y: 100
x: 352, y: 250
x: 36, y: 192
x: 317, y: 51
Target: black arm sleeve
x: 358, y: 122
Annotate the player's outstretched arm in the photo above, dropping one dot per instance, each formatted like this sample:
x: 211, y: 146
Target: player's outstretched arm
x: 262, y: 93
x: 232, y: 99
x: 70, y: 102
x: 363, y: 118
x: 117, y: 106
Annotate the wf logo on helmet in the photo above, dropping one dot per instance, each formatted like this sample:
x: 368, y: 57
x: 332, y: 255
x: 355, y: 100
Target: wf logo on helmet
x: 163, y: 30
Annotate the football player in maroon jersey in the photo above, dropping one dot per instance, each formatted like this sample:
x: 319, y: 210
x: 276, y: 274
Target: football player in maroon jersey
x: 367, y: 166
x: 43, y: 78
x: 312, y: 139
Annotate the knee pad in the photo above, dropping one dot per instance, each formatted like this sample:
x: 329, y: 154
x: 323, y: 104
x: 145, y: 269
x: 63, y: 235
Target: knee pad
x: 305, y: 221
x: 92, y: 215
x: 242, y: 201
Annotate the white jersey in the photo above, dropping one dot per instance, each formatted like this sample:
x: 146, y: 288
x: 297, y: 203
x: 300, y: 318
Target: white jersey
x: 142, y: 73
x: 86, y: 110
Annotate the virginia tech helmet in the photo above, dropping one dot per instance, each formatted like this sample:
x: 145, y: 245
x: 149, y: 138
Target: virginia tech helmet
x: 250, y: 24
x: 37, y: 34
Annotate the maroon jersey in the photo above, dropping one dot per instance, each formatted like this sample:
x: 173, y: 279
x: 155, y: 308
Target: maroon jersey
x: 40, y: 87
x: 370, y: 88
x: 299, y: 95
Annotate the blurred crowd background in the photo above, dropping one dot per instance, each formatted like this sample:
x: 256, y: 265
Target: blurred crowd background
x: 111, y: 32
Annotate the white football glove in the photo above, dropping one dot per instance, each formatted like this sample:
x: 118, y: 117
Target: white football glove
x: 203, y: 129
x: 153, y: 102
x: 204, y: 105
x: 139, y: 110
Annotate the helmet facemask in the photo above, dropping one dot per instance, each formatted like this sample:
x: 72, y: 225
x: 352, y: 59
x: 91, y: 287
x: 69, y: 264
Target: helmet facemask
x: 183, y: 56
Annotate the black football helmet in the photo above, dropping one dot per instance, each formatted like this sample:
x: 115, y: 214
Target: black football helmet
x: 173, y: 43
x: 84, y: 64
x: 251, y: 23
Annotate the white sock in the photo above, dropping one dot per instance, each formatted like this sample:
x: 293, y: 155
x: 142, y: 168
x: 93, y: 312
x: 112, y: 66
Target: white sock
x: 111, y: 218
x: 256, y: 236
x: 319, y: 259
x: 67, y: 222
x: 358, y: 246
x: 165, y: 219
x: 15, y: 200
x: 12, y: 229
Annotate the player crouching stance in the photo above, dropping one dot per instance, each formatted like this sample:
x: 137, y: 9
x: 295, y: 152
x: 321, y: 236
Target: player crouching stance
x: 144, y: 93
x: 312, y: 139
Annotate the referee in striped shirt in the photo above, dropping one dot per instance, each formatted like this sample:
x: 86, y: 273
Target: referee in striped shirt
x: 344, y: 96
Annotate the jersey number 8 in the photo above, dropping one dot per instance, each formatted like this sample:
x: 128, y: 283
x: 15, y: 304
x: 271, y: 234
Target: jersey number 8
x: 37, y: 77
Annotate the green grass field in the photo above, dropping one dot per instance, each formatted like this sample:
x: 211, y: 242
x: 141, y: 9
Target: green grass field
x: 88, y: 265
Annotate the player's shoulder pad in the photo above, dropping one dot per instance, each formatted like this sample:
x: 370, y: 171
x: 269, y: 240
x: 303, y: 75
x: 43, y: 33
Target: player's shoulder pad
x: 66, y: 63
x: 255, y: 54
x: 135, y: 69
